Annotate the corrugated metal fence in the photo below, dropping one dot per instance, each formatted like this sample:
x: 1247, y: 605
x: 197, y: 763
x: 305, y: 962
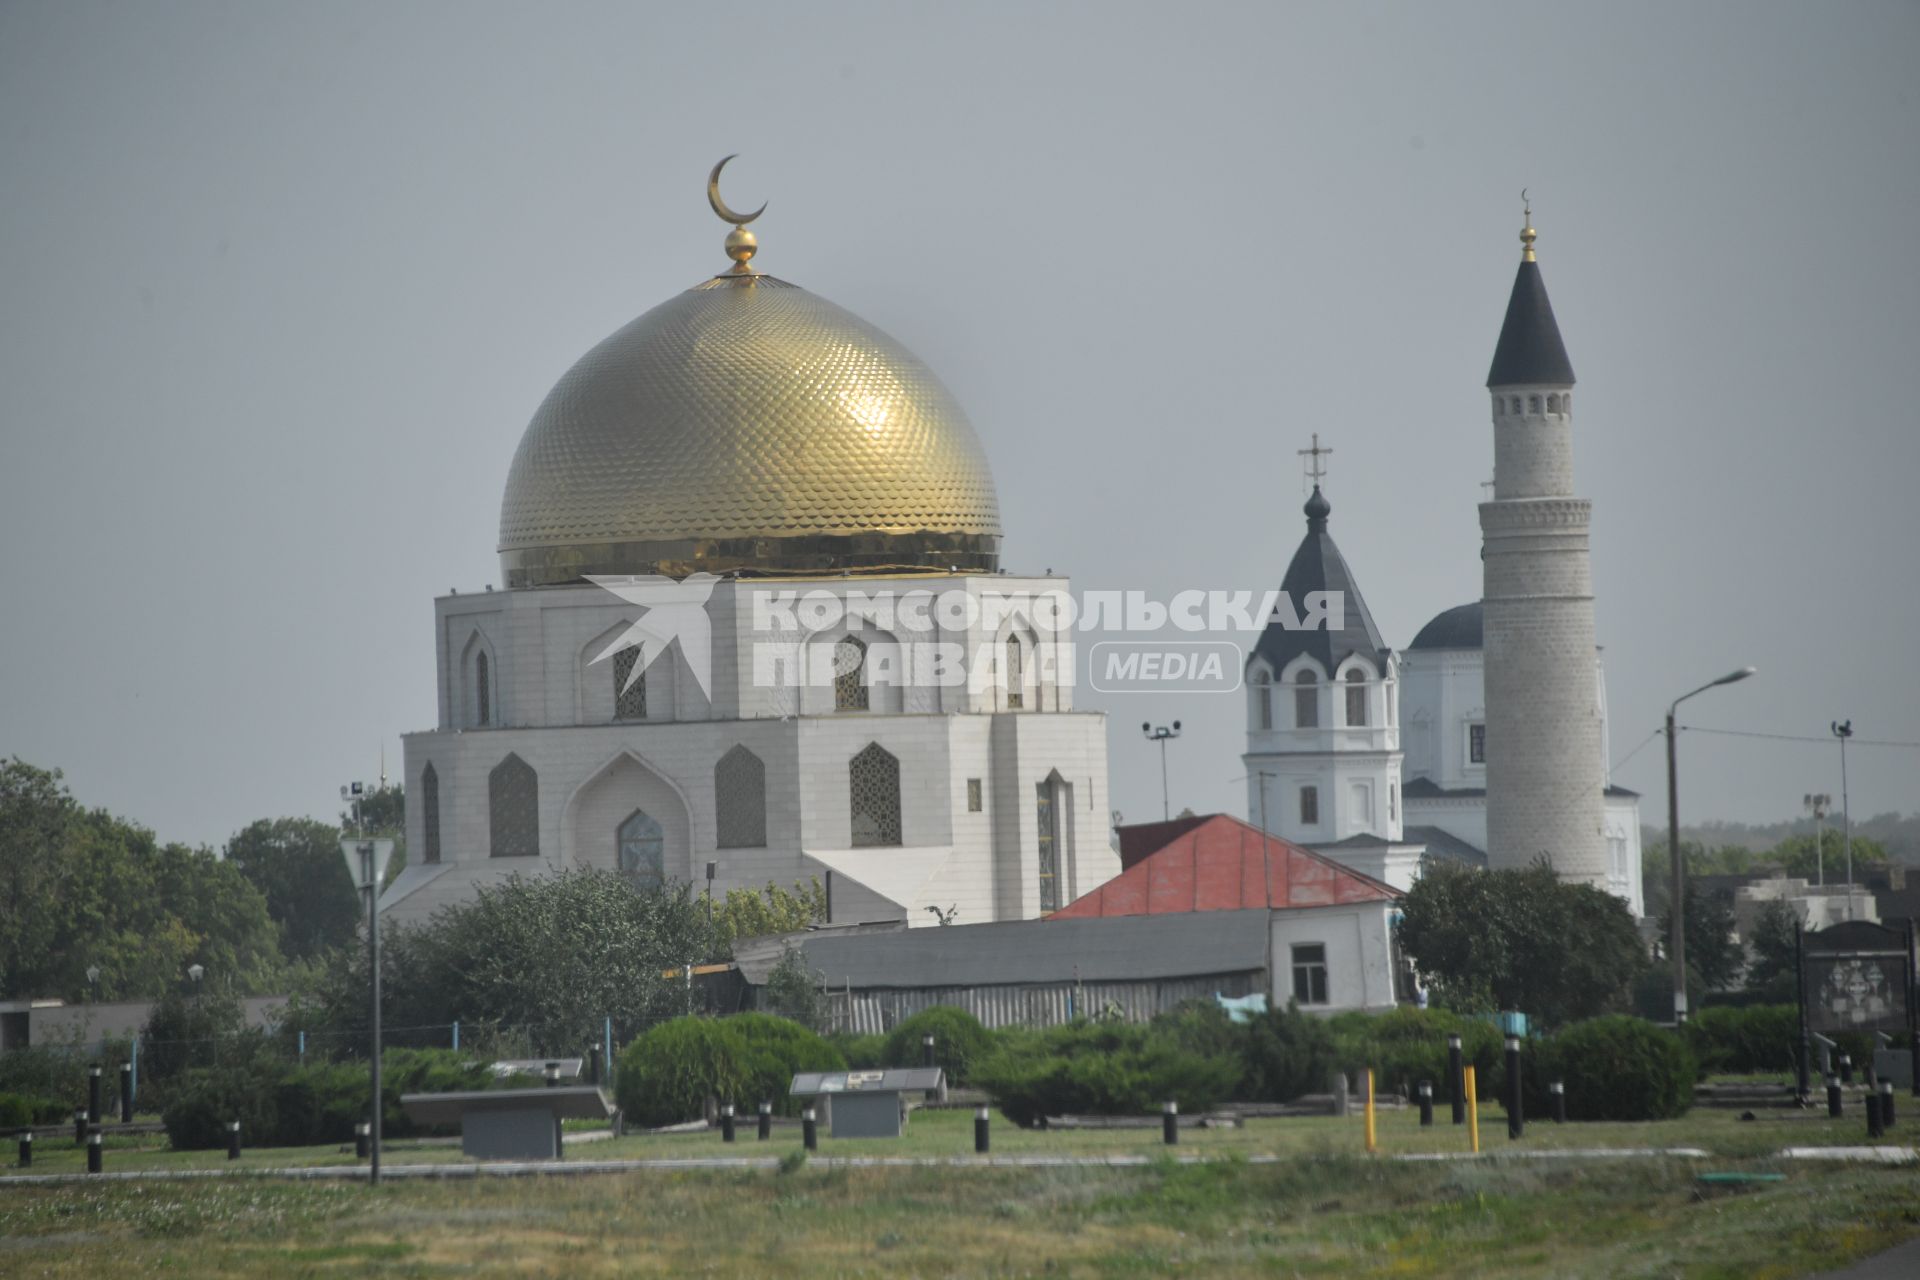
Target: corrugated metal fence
x: 1038, y: 1005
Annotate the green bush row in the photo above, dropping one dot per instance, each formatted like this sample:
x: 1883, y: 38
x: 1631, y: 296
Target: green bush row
x: 20, y: 1111
x: 673, y: 1071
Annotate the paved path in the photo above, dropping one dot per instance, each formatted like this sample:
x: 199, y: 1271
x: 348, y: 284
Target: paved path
x: 1902, y: 1262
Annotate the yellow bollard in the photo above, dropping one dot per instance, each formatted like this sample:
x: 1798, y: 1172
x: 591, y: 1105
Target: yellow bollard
x: 1473, y: 1110
x: 1370, y: 1129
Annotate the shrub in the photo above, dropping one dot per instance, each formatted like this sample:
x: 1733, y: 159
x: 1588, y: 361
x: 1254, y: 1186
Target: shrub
x: 1100, y: 1068
x: 671, y: 1072
x: 20, y: 1110
x: 1288, y: 1053
x: 861, y: 1052
x: 47, y: 1071
x: 1615, y: 1068
x: 1759, y: 1038
x: 203, y: 1099
x: 777, y: 1049
x: 959, y: 1041
x: 1407, y: 1045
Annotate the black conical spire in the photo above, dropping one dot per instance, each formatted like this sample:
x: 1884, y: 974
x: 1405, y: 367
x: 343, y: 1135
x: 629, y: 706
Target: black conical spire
x: 1530, y: 350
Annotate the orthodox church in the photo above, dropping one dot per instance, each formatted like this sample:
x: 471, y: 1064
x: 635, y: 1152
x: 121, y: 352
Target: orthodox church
x: 643, y: 697
x: 1485, y: 740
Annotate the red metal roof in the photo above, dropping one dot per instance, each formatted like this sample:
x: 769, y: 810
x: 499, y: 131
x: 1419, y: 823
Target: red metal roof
x: 1222, y: 864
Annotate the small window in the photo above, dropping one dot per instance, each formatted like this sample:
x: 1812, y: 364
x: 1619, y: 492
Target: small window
x: 740, y: 800
x: 513, y: 809
x: 1016, y: 676
x: 1533, y: 404
x: 482, y: 690
x: 430, y: 812
x: 850, y: 675
x: 1357, y: 699
x: 975, y: 802
x: 1263, y: 699
x: 643, y: 850
x: 1310, y: 973
x: 1306, y: 701
x: 1553, y: 403
x: 629, y: 685
x: 1476, y: 744
x: 1309, y: 806
x: 1393, y: 802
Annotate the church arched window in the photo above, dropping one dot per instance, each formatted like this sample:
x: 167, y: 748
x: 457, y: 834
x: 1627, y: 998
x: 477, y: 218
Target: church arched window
x: 643, y: 850
x: 873, y: 784
x: 513, y: 809
x: 1533, y: 404
x: 1016, y: 675
x: 629, y: 684
x: 1553, y: 403
x: 1306, y: 701
x: 1357, y: 698
x: 482, y: 690
x: 430, y: 813
x: 850, y: 674
x: 1263, y: 700
x: 740, y: 800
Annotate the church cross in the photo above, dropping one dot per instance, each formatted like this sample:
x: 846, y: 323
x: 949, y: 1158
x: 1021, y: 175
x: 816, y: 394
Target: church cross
x: 1316, y: 470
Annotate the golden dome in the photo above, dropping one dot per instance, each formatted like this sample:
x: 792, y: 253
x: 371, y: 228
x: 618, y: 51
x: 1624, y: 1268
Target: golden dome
x: 747, y: 425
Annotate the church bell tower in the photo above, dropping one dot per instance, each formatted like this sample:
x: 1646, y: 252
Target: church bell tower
x: 1545, y: 769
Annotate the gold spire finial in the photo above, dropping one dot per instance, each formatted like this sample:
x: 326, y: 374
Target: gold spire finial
x: 1527, y: 234
x: 742, y: 244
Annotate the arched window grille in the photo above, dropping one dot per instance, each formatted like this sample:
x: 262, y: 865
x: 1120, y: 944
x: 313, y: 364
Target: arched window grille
x: 430, y: 813
x: 1047, y: 810
x: 740, y: 800
x: 513, y: 809
x: 1016, y: 675
x: 629, y: 684
x: 643, y: 850
x: 873, y: 784
x: 850, y: 674
x: 482, y: 690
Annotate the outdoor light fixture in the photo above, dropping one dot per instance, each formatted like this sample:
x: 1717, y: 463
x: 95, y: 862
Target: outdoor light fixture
x: 1678, y: 905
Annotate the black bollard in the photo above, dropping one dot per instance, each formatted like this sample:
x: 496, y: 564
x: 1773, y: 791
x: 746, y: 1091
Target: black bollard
x: 809, y: 1131
x: 126, y: 1093
x: 593, y: 1064
x: 553, y: 1075
x: 1874, y: 1127
x: 1886, y: 1104
x: 1558, y: 1090
x: 1516, y: 1119
x: 233, y: 1139
x: 1456, y: 1080
x: 1833, y: 1097
x: 362, y: 1141
x: 726, y: 1123
x: 980, y: 1121
x: 1803, y: 1068
x: 94, y: 1152
x: 79, y: 1126
x: 926, y: 1050
x: 1846, y: 1068
x: 766, y: 1121
x: 26, y: 1148
x: 93, y: 1093
x: 1426, y: 1104
x: 1170, y: 1123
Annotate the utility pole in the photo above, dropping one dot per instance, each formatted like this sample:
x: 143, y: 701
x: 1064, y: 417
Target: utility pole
x: 1162, y: 735
x: 1843, y: 729
x: 1817, y: 804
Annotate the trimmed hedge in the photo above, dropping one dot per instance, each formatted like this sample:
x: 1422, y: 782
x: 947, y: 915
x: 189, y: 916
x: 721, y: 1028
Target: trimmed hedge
x: 1407, y: 1045
x: 959, y: 1041
x: 1756, y: 1039
x: 1100, y: 1068
x: 777, y: 1049
x: 20, y: 1111
x: 1281, y: 1054
x: 862, y: 1052
x: 1615, y: 1068
x: 671, y: 1072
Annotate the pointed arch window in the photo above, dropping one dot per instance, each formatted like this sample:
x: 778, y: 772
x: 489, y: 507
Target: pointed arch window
x: 1263, y: 700
x: 1047, y: 810
x: 1306, y: 701
x: 513, y: 809
x: 430, y: 813
x: 850, y: 674
x: 873, y: 784
x: 740, y: 800
x: 1357, y: 699
x: 482, y: 690
x: 1016, y: 675
x: 629, y: 684
x: 643, y: 850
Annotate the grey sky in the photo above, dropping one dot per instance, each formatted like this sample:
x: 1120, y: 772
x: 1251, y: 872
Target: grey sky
x: 284, y: 283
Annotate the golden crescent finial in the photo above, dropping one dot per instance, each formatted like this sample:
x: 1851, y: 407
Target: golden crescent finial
x: 1527, y: 234
x: 742, y: 244
x: 720, y: 206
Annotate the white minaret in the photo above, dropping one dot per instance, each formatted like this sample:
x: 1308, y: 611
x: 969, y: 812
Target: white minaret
x: 1545, y: 769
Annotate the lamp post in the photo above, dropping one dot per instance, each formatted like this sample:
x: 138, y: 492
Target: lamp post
x: 1162, y: 735
x: 1817, y: 804
x: 93, y: 983
x: 1679, y: 903
x: 367, y: 865
x: 1843, y: 729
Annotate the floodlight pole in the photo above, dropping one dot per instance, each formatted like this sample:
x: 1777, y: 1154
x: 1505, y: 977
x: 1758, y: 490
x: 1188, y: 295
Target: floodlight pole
x: 1678, y: 904
x: 373, y: 957
x: 1162, y: 735
x: 1843, y: 729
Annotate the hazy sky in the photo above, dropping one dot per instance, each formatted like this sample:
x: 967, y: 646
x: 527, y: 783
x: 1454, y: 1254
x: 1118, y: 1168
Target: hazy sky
x: 283, y: 284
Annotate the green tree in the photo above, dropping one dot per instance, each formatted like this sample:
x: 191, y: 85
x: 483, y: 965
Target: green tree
x: 1521, y: 940
x: 1775, y: 950
x: 1714, y: 959
x: 383, y: 813
x: 296, y: 865
x: 796, y: 991
x: 747, y: 913
x: 1805, y: 857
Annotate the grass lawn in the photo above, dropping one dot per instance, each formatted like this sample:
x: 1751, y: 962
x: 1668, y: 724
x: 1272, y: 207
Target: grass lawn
x: 1326, y: 1210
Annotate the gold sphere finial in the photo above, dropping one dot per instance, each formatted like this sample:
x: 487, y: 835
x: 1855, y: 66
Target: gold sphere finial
x: 742, y: 244
x: 1527, y: 234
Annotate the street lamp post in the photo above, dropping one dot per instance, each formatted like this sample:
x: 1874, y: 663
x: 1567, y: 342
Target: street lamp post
x: 1679, y: 896
x: 1843, y: 729
x: 367, y: 864
x: 1162, y: 735
x: 1817, y: 804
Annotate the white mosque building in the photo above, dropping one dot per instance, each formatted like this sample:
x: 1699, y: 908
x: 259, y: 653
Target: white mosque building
x: 1383, y: 759
x: 753, y: 444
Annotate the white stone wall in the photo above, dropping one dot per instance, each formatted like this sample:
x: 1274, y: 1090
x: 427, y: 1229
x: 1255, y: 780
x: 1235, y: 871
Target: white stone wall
x: 1545, y: 770
x: 1359, y: 949
x: 1355, y: 769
